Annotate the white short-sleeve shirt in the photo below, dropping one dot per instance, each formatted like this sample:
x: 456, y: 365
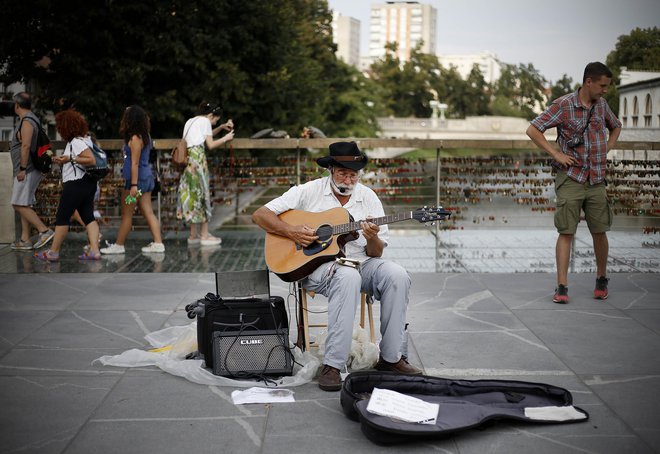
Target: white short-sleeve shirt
x: 196, y: 130
x: 70, y: 171
x: 316, y: 196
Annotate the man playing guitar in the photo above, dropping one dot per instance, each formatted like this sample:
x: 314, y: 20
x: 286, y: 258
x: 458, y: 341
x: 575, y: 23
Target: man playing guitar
x: 388, y: 282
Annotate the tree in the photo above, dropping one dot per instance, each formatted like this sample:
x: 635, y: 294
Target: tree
x: 520, y: 90
x: 477, y: 93
x: 269, y: 64
x: 355, y: 109
x: 560, y: 88
x: 640, y: 50
x: 411, y: 86
x: 387, y: 73
x: 452, y: 91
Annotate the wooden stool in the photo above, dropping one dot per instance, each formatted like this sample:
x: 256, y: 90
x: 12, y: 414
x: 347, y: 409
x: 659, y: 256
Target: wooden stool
x: 306, y: 344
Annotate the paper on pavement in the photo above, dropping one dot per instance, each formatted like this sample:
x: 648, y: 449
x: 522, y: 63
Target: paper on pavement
x: 258, y: 395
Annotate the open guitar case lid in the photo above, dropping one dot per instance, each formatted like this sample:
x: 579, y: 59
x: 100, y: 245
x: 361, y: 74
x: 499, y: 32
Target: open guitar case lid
x: 464, y: 404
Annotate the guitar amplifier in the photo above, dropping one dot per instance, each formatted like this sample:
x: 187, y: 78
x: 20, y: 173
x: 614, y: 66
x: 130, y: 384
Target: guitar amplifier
x: 251, y: 352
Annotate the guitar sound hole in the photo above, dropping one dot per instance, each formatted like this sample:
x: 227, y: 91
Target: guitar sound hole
x: 324, y: 233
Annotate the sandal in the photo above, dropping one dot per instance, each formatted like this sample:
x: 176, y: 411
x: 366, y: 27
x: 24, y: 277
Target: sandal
x: 47, y: 256
x: 90, y: 256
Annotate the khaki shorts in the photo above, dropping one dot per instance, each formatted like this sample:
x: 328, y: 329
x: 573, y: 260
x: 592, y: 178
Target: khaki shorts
x: 572, y: 197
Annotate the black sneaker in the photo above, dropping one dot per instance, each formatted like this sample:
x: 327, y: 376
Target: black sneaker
x: 600, y: 292
x: 561, y: 294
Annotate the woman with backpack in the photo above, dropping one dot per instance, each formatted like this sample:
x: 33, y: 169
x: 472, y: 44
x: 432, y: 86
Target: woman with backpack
x: 138, y: 181
x: 78, y: 188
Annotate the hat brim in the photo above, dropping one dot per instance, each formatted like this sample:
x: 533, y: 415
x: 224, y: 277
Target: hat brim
x: 329, y: 161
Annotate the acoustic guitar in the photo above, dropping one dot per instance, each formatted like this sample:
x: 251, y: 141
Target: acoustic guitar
x: 334, y: 228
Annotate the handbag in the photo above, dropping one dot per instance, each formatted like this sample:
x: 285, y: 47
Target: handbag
x: 180, y: 151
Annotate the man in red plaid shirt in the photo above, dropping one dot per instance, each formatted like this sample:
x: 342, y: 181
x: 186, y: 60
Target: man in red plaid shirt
x: 583, y: 120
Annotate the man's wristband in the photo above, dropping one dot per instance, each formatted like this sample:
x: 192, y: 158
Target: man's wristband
x: 22, y: 169
x: 134, y: 184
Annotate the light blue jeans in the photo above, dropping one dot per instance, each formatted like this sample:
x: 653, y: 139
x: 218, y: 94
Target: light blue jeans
x: 386, y: 281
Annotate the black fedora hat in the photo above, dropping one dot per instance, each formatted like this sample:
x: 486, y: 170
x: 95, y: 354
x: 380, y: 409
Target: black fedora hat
x: 344, y: 154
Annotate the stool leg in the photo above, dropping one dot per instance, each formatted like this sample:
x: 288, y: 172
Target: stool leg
x: 363, y: 300
x: 370, y: 305
x: 305, y: 320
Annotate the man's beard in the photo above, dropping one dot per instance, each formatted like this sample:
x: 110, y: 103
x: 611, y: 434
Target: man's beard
x: 342, y: 189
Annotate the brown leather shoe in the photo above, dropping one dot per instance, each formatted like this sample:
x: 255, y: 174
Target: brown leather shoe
x: 329, y: 379
x: 402, y: 366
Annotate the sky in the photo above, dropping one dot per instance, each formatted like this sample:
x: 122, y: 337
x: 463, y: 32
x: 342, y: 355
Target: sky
x: 558, y: 37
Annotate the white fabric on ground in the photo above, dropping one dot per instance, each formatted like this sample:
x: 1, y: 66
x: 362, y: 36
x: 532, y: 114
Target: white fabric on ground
x: 175, y: 342
x: 567, y: 413
x: 363, y: 354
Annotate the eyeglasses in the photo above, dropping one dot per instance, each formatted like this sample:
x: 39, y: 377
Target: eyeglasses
x: 346, y: 174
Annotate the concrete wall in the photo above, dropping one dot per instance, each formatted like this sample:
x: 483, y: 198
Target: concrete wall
x: 7, y: 226
x: 484, y: 127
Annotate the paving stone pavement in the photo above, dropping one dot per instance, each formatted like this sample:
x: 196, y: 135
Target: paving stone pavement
x: 474, y: 313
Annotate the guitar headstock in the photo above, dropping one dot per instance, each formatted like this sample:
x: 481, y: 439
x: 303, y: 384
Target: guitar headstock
x: 430, y: 214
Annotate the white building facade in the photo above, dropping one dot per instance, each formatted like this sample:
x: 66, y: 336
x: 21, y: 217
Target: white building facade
x: 346, y: 35
x: 639, y: 99
x: 488, y: 64
x: 404, y: 22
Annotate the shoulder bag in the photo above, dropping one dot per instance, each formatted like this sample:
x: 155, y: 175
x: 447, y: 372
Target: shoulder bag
x: 180, y: 152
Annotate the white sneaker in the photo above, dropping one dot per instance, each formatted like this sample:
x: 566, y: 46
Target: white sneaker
x: 154, y: 247
x: 210, y: 241
x: 113, y: 249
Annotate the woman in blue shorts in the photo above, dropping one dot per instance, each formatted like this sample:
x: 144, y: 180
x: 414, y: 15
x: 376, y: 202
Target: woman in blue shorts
x: 138, y: 180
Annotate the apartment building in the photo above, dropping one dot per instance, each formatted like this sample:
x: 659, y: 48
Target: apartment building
x: 404, y: 22
x: 346, y: 35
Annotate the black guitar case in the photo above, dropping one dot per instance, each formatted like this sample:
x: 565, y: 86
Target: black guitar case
x: 464, y: 404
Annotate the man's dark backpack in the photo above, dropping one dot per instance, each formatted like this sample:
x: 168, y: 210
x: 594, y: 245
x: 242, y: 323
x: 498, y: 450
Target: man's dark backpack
x: 41, y: 152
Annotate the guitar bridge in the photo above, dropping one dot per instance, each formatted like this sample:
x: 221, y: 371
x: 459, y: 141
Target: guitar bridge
x: 316, y: 247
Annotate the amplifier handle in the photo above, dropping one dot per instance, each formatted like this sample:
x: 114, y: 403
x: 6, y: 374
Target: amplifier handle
x: 238, y: 325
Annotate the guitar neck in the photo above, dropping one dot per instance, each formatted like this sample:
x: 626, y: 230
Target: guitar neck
x: 353, y: 226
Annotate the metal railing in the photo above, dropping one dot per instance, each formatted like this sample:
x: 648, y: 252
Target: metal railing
x: 432, y: 186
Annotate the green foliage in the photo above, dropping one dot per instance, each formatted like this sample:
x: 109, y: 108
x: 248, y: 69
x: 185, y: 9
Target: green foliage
x: 452, y: 90
x: 354, y: 111
x: 386, y: 72
x: 519, y: 89
x: 639, y: 50
x: 502, y: 106
x: 410, y: 86
x: 269, y: 64
x: 477, y: 93
x: 562, y: 87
